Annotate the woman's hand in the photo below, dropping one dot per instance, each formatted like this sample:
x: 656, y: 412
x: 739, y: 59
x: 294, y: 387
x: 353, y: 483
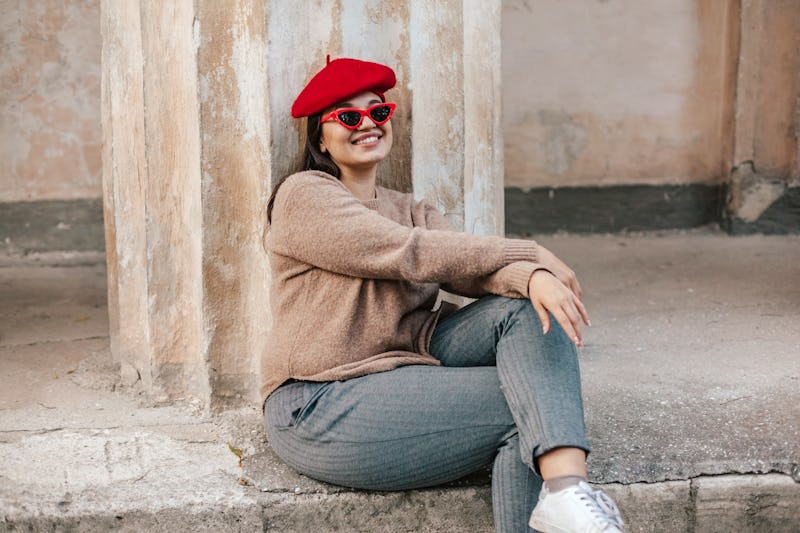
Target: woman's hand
x: 548, y: 293
x: 564, y: 273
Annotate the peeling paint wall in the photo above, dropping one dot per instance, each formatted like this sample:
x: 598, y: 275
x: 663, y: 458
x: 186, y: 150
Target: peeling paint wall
x: 617, y: 92
x: 767, y: 130
x: 49, y: 100
x: 590, y: 97
x: 438, y: 102
x: 196, y: 126
x: 235, y: 164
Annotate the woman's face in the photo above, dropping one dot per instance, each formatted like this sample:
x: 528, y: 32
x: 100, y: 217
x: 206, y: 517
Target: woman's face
x: 359, y: 149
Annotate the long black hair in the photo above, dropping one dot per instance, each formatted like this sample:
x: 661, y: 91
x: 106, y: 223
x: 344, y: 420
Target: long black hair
x: 313, y: 158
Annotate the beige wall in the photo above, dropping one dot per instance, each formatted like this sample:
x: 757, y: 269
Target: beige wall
x: 49, y: 100
x: 767, y: 114
x: 595, y: 93
x: 617, y: 92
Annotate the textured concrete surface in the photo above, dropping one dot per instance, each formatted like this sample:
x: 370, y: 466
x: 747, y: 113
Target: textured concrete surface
x: 692, y: 365
x: 49, y: 100
x: 590, y: 99
x: 691, y: 378
x: 51, y: 225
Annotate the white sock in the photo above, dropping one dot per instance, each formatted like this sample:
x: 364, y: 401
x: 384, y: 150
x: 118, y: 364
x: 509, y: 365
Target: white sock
x: 558, y: 483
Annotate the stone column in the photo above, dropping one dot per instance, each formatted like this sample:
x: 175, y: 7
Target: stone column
x: 766, y: 146
x: 152, y: 196
x: 768, y: 87
x: 186, y: 180
x: 235, y: 164
x: 124, y: 170
x: 455, y: 69
x: 196, y: 126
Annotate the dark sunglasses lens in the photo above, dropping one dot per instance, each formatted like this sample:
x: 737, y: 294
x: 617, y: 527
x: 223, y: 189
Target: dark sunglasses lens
x: 351, y: 118
x: 380, y: 113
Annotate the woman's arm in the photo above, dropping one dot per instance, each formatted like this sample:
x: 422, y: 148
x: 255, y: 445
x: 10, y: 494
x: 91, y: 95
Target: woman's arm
x: 498, y: 283
x: 551, y: 286
x: 317, y: 221
x: 510, y: 281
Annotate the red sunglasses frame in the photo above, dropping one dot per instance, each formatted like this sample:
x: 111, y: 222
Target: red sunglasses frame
x: 334, y: 115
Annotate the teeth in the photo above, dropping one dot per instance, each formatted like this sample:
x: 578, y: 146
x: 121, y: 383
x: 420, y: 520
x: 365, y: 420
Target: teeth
x: 366, y: 140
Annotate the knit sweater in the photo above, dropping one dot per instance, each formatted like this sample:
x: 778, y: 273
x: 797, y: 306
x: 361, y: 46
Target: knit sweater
x: 354, y: 283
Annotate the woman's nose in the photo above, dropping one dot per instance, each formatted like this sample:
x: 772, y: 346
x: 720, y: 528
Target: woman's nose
x: 367, y: 123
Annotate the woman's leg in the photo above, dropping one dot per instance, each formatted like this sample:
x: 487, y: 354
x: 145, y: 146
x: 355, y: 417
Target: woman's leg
x: 412, y: 427
x: 541, y: 382
x: 540, y: 379
x: 539, y: 373
x: 420, y: 426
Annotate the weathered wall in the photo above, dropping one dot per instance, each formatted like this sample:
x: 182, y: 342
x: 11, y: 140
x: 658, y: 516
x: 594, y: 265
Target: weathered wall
x: 767, y: 112
x: 589, y: 98
x: 196, y: 127
x: 235, y: 164
x: 617, y: 92
x: 49, y: 100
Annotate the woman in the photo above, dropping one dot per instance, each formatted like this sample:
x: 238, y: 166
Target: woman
x: 366, y: 385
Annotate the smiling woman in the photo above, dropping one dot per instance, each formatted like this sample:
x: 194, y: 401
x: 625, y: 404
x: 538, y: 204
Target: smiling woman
x: 365, y: 383
x: 357, y: 147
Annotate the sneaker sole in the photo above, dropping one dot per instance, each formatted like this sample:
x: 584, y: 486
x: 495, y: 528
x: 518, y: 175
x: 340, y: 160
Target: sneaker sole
x: 544, y: 527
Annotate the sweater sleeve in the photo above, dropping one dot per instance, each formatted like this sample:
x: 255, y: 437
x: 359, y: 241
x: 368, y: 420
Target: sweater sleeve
x: 510, y: 281
x: 319, y: 222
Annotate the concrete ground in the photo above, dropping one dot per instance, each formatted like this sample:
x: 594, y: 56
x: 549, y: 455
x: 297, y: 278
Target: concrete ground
x: 691, y: 377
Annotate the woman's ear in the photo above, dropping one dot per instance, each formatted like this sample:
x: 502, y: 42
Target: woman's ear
x: 322, y: 147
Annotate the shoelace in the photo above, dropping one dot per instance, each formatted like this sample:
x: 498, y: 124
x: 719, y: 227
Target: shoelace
x: 608, y: 506
x: 601, y: 505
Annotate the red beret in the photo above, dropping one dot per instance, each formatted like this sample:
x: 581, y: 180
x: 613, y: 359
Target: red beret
x: 339, y: 80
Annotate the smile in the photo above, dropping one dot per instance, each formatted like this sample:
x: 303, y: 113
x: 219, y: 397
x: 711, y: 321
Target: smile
x: 367, y: 140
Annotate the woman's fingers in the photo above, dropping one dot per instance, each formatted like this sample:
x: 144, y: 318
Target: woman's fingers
x: 543, y: 316
x: 548, y: 293
x: 576, y: 286
x: 582, y: 310
x: 571, y: 323
x: 560, y: 270
x: 572, y: 282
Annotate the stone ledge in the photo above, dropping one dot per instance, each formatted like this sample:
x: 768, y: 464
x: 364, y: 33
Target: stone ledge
x: 765, y: 503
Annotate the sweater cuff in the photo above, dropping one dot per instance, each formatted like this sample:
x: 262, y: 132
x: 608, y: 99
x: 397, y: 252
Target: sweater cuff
x: 519, y: 275
x: 519, y: 250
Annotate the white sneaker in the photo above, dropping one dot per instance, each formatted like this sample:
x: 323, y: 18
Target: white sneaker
x: 576, y: 509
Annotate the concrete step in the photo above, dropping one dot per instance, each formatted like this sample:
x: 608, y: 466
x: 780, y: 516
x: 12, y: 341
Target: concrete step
x: 691, y: 380
x: 144, y: 480
x: 184, y: 477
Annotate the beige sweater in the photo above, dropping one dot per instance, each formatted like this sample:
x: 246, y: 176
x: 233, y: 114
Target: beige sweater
x: 354, y: 283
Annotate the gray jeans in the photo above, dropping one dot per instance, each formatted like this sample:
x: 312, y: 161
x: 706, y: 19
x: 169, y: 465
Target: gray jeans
x: 506, y: 394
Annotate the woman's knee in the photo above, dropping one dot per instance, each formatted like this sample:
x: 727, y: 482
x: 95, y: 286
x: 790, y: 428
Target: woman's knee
x: 511, y: 306
x: 522, y: 310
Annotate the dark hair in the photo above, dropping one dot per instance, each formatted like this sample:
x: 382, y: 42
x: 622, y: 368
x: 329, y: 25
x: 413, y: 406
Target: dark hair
x: 313, y: 158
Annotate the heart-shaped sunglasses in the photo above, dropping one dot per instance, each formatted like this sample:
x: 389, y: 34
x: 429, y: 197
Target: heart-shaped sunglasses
x: 352, y: 117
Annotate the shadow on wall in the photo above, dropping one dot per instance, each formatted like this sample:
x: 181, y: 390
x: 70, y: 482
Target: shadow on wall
x: 52, y: 225
x: 750, y: 204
